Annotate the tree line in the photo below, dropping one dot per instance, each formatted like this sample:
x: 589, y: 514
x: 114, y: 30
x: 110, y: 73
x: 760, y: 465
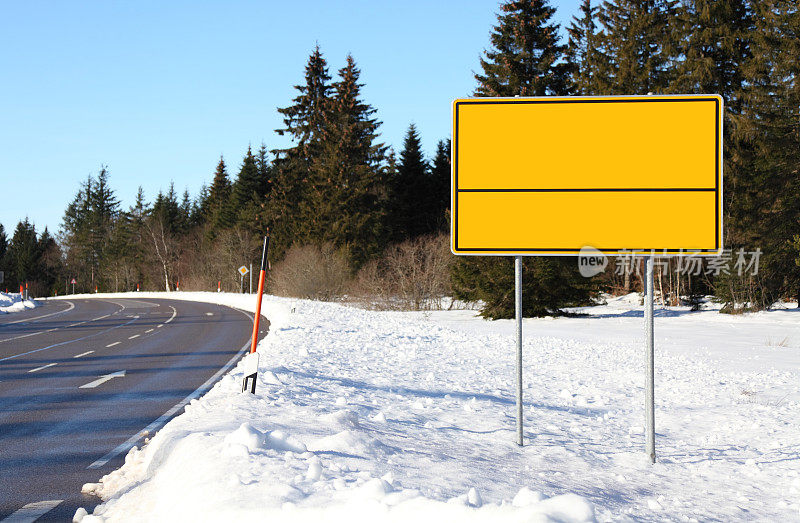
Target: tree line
x: 339, y: 185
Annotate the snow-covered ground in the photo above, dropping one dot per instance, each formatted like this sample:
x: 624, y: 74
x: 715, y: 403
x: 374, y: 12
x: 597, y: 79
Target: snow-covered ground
x: 13, y: 302
x: 390, y: 416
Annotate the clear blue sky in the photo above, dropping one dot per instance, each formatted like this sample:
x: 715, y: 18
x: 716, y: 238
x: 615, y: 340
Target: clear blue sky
x: 158, y: 90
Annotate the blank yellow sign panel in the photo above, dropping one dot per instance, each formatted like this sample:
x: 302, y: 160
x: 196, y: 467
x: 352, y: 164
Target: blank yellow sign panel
x: 553, y: 175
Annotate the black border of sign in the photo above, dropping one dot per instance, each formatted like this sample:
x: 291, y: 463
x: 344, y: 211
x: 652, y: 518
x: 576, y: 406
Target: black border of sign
x: 556, y: 251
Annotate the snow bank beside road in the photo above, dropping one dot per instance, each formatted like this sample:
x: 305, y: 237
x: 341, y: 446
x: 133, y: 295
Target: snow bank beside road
x: 13, y: 302
x: 388, y: 416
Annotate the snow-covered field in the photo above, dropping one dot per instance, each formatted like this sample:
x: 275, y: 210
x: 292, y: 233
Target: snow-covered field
x: 13, y: 302
x: 392, y: 416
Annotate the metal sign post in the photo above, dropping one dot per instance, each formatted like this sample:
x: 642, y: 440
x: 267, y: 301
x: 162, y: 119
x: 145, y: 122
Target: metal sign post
x: 518, y: 307
x: 649, y: 392
x: 606, y: 163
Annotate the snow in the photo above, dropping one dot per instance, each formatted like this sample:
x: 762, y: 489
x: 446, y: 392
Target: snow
x: 393, y: 416
x: 13, y: 302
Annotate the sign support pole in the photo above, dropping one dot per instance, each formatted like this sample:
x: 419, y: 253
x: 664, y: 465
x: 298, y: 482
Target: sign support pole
x: 518, y: 307
x: 649, y: 405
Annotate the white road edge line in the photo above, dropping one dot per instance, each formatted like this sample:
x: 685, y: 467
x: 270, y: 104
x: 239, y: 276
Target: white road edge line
x: 32, y: 511
x: 71, y: 306
x: 112, y: 344
x: 134, y: 336
x: 42, y: 367
x: 83, y: 354
x: 164, y: 417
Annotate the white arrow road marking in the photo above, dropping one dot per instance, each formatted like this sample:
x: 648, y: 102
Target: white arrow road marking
x: 32, y: 511
x: 83, y: 354
x: 103, y: 379
x: 126, y: 446
x: 42, y: 367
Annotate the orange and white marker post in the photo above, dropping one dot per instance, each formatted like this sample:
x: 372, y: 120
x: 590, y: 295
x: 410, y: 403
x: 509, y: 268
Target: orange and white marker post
x: 251, y: 367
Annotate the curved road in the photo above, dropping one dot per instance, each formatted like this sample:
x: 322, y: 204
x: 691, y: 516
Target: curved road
x: 84, y: 380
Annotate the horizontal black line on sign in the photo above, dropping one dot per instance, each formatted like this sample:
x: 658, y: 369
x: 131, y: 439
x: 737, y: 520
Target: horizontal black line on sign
x: 655, y: 251
x: 650, y: 189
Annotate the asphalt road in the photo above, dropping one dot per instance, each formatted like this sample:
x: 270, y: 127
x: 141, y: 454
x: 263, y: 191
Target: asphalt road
x: 84, y: 380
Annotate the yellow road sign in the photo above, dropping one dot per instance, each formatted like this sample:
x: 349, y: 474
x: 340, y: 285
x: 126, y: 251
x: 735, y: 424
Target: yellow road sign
x: 549, y: 176
x: 243, y: 270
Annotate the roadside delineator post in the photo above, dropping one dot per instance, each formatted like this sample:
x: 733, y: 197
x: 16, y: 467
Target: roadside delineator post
x: 251, y: 367
x: 219, y: 283
x: 21, y: 292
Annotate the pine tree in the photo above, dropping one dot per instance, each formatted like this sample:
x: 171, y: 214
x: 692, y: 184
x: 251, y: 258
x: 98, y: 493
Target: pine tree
x: 349, y: 193
x: 764, y: 209
x: 526, y: 56
x: 412, y: 190
x: 526, y: 60
x: 3, y: 245
x: 248, y: 185
x: 583, y: 54
x: 289, y: 215
x: 220, y: 212
x: 23, y: 254
x: 441, y: 172
x: 50, y: 270
x: 640, y: 44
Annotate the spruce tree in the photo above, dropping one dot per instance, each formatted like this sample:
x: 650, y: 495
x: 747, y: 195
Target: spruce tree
x: 220, y: 212
x: 412, y: 190
x: 350, y: 191
x: 764, y: 208
x: 289, y: 215
x: 527, y: 60
x: 526, y: 57
x: 23, y: 254
x: 640, y: 43
x: 441, y: 172
x: 3, y: 245
x: 248, y: 185
x: 583, y: 54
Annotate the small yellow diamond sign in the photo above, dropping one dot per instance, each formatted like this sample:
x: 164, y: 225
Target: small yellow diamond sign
x: 243, y: 270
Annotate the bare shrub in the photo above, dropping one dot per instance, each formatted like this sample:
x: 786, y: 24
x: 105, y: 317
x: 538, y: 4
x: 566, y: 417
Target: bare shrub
x: 312, y: 272
x: 413, y: 275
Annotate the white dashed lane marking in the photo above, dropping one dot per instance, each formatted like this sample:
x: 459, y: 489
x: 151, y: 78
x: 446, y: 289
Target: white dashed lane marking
x: 83, y: 354
x: 112, y: 344
x: 42, y: 367
x: 32, y: 511
x: 134, y: 336
x: 148, y: 330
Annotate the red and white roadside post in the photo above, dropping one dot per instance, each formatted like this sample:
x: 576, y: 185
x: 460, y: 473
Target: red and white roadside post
x: 251, y: 366
x: 219, y: 285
